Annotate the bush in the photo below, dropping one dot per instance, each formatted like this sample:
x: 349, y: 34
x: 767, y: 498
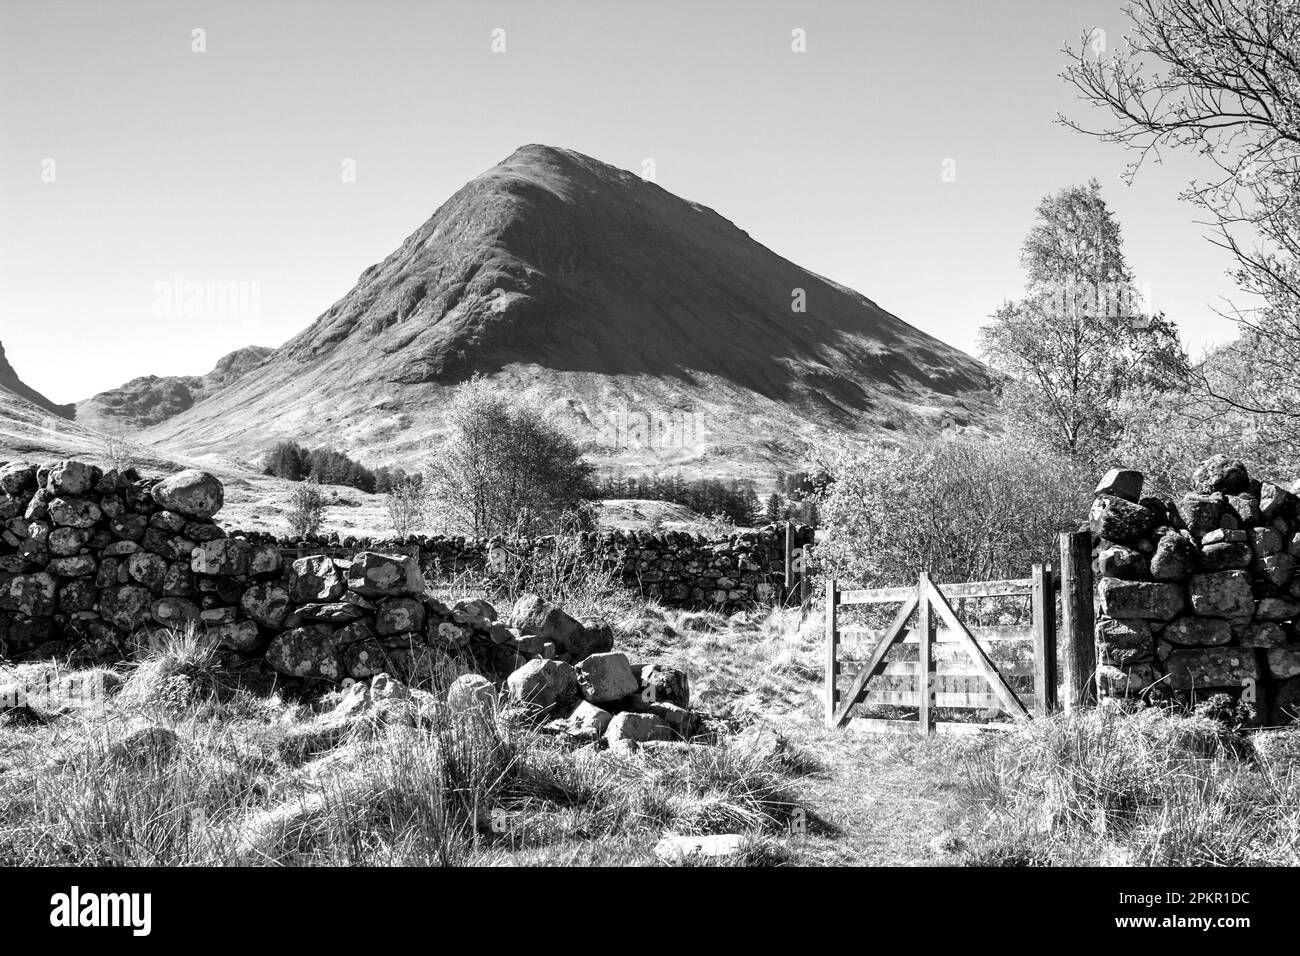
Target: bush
x: 406, y: 505
x: 503, y: 468
x: 963, y: 511
x: 306, y: 509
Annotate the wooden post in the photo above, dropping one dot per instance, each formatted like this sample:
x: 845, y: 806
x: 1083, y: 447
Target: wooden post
x: 1044, y: 613
x: 926, y: 676
x: 832, y: 651
x: 789, y: 563
x: 1077, y: 618
x: 805, y: 579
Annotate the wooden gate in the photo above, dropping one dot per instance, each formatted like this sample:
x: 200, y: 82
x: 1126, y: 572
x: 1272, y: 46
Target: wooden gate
x: 940, y: 662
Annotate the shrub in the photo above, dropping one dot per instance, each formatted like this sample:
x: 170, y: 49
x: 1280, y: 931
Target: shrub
x: 306, y: 509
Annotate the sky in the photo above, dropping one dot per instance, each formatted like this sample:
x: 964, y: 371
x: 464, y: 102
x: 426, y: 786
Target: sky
x: 274, y: 154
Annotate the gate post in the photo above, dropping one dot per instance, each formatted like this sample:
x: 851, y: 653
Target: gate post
x: 1077, y: 618
x: 832, y: 650
x: 1044, y: 615
x: 926, y: 677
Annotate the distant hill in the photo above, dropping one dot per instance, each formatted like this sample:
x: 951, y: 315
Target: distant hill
x: 151, y: 399
x: 11, y: 383
x: 654, y: 329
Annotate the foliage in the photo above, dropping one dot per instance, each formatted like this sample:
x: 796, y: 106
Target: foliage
x: 1077, y: 341
x: 735, y: 500
x: 503, y: 467
x: 961, y: 511
x: 293, y: 462
x: 306, y: 509
x: 1221, y: 81
x: 407, y: 504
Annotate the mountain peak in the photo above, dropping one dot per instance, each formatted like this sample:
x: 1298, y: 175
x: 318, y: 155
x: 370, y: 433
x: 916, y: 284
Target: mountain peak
x: 10, y: 382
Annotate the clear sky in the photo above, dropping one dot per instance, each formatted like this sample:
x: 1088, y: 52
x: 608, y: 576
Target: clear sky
x: 226, y: 166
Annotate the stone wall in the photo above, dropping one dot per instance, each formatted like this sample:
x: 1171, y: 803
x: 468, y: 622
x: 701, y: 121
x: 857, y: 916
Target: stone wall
x: 1199, y: 595
x: 93, y: 564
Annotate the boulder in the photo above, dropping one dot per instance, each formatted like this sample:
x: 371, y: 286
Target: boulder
x: 1225, y: 557
x: 1122, y: 483
x: 1274, y: 500
x: 1116, y: 519
x: 1225, y: 594
x: 193, y: 493
x: 1174, y: 558
x: 267, y: 604
x: 588, y: 720
x: 658, y: 682
x: 1201, y: 514
x: 224, y: 557
x: 544, y: 684
x: 17, y: 477
x: 315, y: 579
x: 532, y: 615
x: 1284, y: 662
x: 175, y: 612
x: 633, y: 728
x: 30, y: 594
x: 241, y: 636
x: 399, y: 615
x: 1141, y: 600
x: 385, y: 575
x: 74, y: 512
x: 127, y: 607
x: 1211, y: 667
x: 1197, y: 631
x: 1269, y: 609
x: 603, y: 678
x: 306, y: 652
x: 472, y: 693
x: 147, y: 569
x: 1259, y: 634
x: 1221, y: 474
x: 71, y: 478
x: 1121, y: 643
x: 1118, y: 561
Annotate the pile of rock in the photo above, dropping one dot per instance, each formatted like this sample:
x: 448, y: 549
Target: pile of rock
x: 1200, y: 595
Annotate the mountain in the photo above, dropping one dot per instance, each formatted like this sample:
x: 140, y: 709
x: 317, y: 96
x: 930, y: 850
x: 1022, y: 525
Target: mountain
x: 151, y: 399
x: 11, y: 383
x: 611, y: 304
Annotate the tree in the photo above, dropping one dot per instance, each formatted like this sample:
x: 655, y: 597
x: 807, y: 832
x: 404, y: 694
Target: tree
x: 503, y: 468
x: 1220, y: 80
x: 306, y: 509
x: 1077, y: 341
x: 406, y: 503
x: 772, y: 513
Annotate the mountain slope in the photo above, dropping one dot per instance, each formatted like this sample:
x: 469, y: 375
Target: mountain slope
x: 151, y: 399
x: 11, y: 383
x: 598, y: 297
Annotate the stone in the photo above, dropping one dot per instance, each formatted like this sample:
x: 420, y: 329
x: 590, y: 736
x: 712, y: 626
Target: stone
x: 241, y: 636
x: 398, y: 615
x: 175, y: 612
x: 147, y: 569
x: 1118, y: 561
x: 544, y: 684
x: 1211, y: 667
x: 168, y: 521
x: 193, y: 493
x: 267, y: 604
x: 1122, y: 483
x: 315, y: 579
x: 1225, y: 594
x: 263, y: 559
x: 683, y: 723
x: 1274, y: 500
x: 1123, y: 642
x: 472, y: 693
x: 71, y: 478
x: 1220, y: 535
x: 532, y: 615
x: 476, y: 612
x: 1265, y: 541
x: 224, y: 557
x: 1174, y: 558
x: 1124, y: 522
x: 309, y: 652
x: 1284, y: 662
x: 658, y: 682
x: 1129, y: 681
x: 74, y: 512
x: 130, y: 527
x: 593, y: 637
x: 17, y: 477
x: 65, y: 542
x: 1197, y: 631
x: 588, y: 720
x: 29, y: 594
x: 1269, y: 609
x: 1221, y: 474
x: 1201, y: 514
x: 127, y: 607
x: 77, y: 566
x: 337, y: 612
x: 77, y: 595
x: 1259, y: 634
x: 1246, y: 508
x: 629, y: 727
x: 1225, y: 557
x: 603, y: 678
x: 1142, y: 600
x: 385, y: 575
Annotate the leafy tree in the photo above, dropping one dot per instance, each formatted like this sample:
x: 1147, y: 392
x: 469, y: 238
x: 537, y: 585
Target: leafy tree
x: 406, y: 504
x: 1076, y: 343
x: 1220, y: 80
x: 504, y: 469
x: 306, y: 509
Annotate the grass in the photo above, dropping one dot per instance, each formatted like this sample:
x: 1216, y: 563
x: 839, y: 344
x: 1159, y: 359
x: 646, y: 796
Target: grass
x: 182, y: 761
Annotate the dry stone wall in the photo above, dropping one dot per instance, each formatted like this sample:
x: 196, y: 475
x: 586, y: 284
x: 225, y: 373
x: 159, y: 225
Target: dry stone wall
x: 1199, y: 595
x: 94, y: 564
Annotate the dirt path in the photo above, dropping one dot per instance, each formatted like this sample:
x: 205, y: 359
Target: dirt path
x: 877, y: 802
